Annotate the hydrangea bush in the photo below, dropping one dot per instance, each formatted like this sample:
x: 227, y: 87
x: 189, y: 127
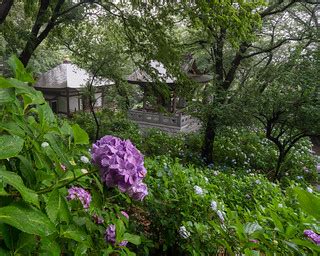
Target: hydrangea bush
x: 203, y: 211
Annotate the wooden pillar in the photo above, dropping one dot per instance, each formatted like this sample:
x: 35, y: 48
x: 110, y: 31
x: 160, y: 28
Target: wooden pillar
x: 68, y: 102
x: 174, y: 102
x: 144, y: 97
x: 79, y: 105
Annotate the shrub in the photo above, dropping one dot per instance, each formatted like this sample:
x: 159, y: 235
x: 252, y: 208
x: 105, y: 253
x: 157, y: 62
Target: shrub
x: 204, y: 211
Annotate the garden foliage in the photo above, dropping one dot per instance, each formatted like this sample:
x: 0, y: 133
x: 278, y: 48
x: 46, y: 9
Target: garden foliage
x: 52, y: 199
x: 205, y: 211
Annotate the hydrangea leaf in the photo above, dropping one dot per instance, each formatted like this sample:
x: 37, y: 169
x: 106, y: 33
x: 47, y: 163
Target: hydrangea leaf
x: 15, y: 181
x: 10, y: 146
x: 308, y: 202
x: 27, y: 219
x: 49, y: 247
x: 7, y: 95
x: 134, y: 239
x: 57, y: 208
x: 79, y: 135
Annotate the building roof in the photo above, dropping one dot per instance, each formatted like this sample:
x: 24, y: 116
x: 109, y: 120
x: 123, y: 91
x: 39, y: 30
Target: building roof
x: 140, y: 76
x: 67, y: 75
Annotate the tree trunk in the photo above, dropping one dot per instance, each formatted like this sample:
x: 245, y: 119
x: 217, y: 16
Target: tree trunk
x: 209, y: 136
x: 5, y: 9
x: 280, y: 160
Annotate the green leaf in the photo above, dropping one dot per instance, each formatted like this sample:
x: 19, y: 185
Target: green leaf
x: 120, y: 229
x: 49, y: 247
x: 26, y: 243
x: 27, y: 219
x: 19, y: 70
x: 10, y: 146
x: 53, y: 139
x: 7, y: 95
x: 46, y: 115
x: 66, y: 129
x: 81, y: 249
x: 15, y: 181
x: 307, y: 244
x: 76, y: 234
x: 134, y: 239
x: 57, y: 208
x: 27, y: 170
x: 9, y: 234
x: 308, y: 202
x: 79, y: 135
x: 13, y: 128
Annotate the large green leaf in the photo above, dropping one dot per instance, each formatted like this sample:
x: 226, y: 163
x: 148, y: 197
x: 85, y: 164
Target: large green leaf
x: 26, y: 243
x: 7, y: 95
x: 13, y: 128
x: 76, y: 234
x: 57, y: 208
x: 120, y: 229
x: 46, y: 115
x: 27, y: 170
x: 10, y: 146
x: 308, y: 202
x: 49, y: 247
x: 134, y: 239
x: 19, y: 70
x: 79, y: 135
x: 53, y: 139
x: 27, y: 219
x: 15, y: 181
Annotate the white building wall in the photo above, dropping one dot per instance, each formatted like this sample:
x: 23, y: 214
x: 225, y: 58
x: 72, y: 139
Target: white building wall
x: 62, y: 104
x: 98, y: 99
x: 73, y: 104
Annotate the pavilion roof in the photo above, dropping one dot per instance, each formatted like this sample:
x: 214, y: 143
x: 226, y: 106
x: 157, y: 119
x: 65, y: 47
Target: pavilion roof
x: 140, y: 76
x: 67, y: 75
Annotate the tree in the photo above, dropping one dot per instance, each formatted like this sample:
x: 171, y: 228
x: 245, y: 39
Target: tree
x: 286, y: 102
x: 230, y: 33
x: 43, y: 17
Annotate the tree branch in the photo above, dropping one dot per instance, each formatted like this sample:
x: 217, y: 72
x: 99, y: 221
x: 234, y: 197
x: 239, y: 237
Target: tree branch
x: 5, y: 9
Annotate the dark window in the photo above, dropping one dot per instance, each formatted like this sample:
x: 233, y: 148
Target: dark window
x: 54, y: 106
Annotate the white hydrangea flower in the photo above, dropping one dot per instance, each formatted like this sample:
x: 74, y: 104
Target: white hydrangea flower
x: 84, y: 171
x: 206, y: 179
x: 310, y: 190
x: 198, y: 190
x: 220, y: 215
x: 299, y: 177
x: 258, y: 182
x: 44, y: 144
x: 280, y: 205
x: 84, y: 159
x: 214, y: 205
x: 215, y: 173
x: 183, y: 232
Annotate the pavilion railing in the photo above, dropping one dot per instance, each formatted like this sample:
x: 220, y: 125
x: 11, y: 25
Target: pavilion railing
x: 176, y: 120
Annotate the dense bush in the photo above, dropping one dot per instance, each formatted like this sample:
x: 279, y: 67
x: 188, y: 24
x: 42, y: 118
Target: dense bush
x: 250, y: 150
x: 204, y: 211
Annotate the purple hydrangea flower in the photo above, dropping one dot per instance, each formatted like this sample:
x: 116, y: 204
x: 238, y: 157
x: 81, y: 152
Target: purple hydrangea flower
x: 312, y: 235
x: 97, y: 219
x: 121, y: 165
x: 138, y: 191
x: 81, y: 194
x: 110, y: 236
x: 125, y: 214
